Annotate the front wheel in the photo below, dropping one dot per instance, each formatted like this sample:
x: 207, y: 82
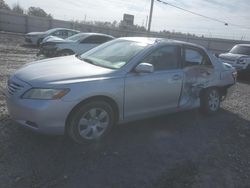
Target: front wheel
x: 210, y: 101
x: 91, y: 122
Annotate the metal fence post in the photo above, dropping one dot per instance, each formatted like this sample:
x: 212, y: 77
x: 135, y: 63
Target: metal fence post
x: 50, y: 23
x: 26, y: 24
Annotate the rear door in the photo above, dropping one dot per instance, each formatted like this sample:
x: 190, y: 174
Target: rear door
x: 147, y: 93
x: 198, y: 71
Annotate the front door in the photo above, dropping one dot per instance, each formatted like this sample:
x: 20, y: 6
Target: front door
x: 147, y: 93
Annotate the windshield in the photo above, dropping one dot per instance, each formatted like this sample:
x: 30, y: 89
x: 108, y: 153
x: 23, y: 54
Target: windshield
x: 114, y: 54
x: 245, y: 50
x: 77, y: 37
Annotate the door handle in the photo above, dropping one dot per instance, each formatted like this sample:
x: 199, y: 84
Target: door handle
x: 176, y: 77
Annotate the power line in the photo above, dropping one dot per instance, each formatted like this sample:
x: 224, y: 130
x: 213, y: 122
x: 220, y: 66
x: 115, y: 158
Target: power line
x: 197, y: 14
x: 204, y: 16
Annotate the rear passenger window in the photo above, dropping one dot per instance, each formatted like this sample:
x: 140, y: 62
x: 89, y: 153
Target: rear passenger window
x: 165, y: 58
x: 194, y: 57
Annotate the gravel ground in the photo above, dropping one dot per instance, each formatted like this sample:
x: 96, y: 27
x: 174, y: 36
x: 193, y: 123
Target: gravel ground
x: 172, y: 151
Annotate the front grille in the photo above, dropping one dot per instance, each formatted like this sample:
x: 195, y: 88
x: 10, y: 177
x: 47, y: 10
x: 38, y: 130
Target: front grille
x: 13, y: 87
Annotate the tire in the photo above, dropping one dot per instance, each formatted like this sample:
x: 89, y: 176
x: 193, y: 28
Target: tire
x: 65, y: 53
x: 210, y: 101
x: 91, y: 122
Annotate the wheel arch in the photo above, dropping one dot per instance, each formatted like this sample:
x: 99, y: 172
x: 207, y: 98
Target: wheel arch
x: 107, y: 99
x: 222, y: 90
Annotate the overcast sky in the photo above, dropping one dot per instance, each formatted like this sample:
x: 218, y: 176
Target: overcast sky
x: 164, y: 16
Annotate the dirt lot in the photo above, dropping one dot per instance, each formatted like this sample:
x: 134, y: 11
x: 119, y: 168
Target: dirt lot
x: 173, y: 151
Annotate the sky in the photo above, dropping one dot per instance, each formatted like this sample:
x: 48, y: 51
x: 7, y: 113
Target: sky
x: 234, y: 12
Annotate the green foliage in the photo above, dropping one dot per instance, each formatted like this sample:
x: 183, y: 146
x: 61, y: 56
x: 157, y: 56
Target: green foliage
x: 37, y: 11
x: 3, y: 5
x: 17, y: 9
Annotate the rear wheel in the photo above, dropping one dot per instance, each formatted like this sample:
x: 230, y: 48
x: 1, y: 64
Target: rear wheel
x: 91, y: 122
x: 210, y: 101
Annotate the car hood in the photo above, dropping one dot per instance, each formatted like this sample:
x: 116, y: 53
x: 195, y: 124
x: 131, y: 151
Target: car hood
x: 36, y: 33
x: 232, y: 57
x: 61, y: 70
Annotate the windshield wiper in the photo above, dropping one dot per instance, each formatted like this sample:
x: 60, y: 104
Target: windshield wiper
x: 88, y: 61
x: 93, y: 62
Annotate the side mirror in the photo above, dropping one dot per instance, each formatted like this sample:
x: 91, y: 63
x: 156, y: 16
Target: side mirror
x: 144, y: 68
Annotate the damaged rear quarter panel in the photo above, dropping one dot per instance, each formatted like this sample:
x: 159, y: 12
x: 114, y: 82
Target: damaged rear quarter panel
x: 199, y: 77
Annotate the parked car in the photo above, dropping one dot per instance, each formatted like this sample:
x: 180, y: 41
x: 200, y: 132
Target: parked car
x: 76, y: 44
x: 35, y: 38
x: 125, y: 79
x: 238, y: 57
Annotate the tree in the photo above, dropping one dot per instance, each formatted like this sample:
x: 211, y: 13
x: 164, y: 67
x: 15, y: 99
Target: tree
x: 37, y: 11
x: 3, y: 5
x: 17, y: 9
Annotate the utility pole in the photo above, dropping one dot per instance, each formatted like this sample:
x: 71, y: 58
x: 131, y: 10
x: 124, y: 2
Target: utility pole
x: 150, y: 15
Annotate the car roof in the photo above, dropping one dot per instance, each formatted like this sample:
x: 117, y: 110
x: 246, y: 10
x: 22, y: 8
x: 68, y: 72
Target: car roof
x: 245, y: 45
x: 150, y: 40
x: 55, y: 29
x: 97, y: 34
x: 85, y: 35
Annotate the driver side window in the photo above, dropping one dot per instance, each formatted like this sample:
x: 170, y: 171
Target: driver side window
x: 164, y: 58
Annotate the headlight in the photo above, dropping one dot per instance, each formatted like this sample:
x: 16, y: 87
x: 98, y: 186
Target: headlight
x: 45, y: 94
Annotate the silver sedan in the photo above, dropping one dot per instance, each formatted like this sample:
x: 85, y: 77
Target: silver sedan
x: 76, y: 44
x: 85, y: 96
x: 36, y: 38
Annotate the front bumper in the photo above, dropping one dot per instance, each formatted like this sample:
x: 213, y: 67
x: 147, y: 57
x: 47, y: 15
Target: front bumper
x: 43, y: 116
x: 238, y: 66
